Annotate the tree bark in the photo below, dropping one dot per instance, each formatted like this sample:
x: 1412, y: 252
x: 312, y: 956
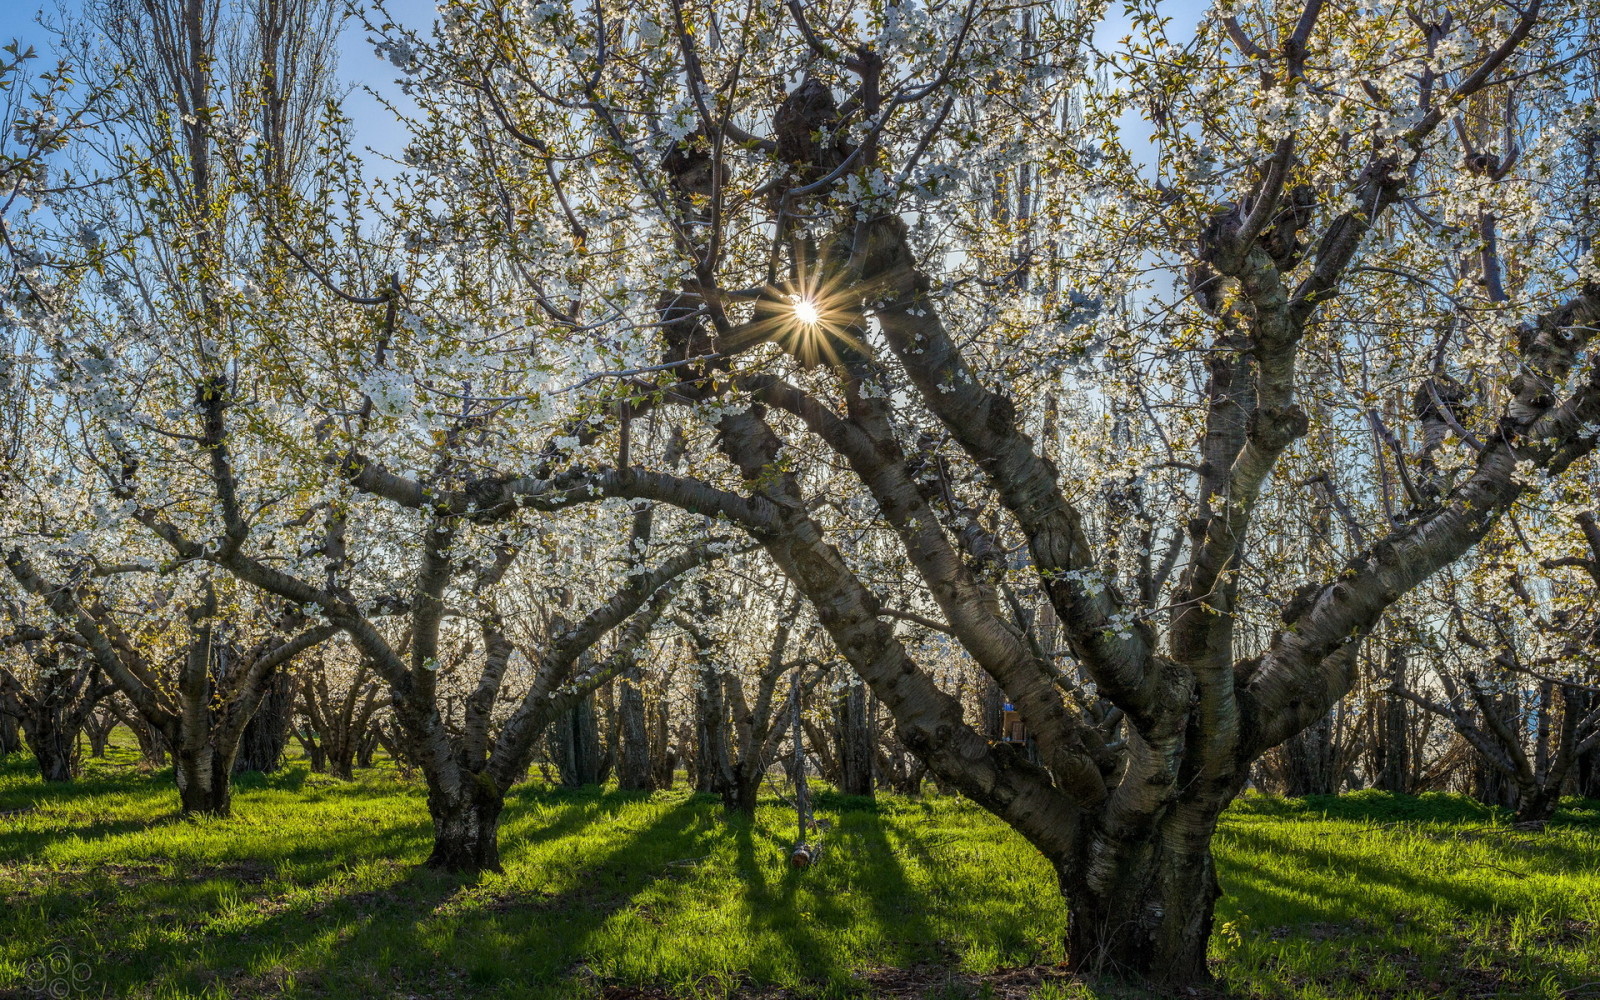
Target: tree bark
x: 855, y: 742
x: 1392, y: 751
x: 316, y: 753
x: 1150, y: 918
x: 10, y: 737
x: 466, y: 827
x: 266, y: 735
x: 54, y: 745
x: 663, y: 752
x: 1586, y: 768
x: 576, y: 745
x: 1311, y: 758
x: 203, y: 777
x: 712, y: 770
x: 98, y: 726
x: 634, y: 769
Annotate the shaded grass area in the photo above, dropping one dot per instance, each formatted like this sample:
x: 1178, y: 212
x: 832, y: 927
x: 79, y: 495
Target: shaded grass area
x: 312, y: 890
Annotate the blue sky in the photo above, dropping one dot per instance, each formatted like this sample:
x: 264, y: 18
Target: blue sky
x: 359, y: 66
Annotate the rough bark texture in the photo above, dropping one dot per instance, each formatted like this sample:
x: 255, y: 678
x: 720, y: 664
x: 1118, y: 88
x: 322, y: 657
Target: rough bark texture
x: 98, y: 727
x: 635, y: 770
x: 855, y: 741
x: 712, y: 771
x: 1392, y: 746
x: 1151, y: 918
x: 575, y: 745
x: 203, y: 776
x: 266, y: 735
x: 1311, y: 757
x: 466, y: 827
x: 55, y: 708
x: 54, y: 746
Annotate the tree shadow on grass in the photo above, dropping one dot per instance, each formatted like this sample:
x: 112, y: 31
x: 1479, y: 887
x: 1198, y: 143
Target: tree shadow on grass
x: 901, y: 910
x: 497, y: 931
x: 356, y: 905
x: 965, y: 896
x: 1363, y: 872
x: 775, y: 910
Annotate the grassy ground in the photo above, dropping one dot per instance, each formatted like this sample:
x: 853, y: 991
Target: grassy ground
x: 312, y: 891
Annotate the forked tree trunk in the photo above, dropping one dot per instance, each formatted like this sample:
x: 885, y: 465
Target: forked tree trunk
x: 311, y: 744
x: 98, y: 727
x: 54, y: 745
x: 663, y: 754
x: 740, y: 794
x: 152, y: 745
x: 1536, y: 804
x: 1150, y: 920
x: 466, y: 827
x: 711, y: 761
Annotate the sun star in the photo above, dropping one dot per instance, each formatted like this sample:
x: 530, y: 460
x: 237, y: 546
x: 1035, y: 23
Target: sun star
x: 806, y: 312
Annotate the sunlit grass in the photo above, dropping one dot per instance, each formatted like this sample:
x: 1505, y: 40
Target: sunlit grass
x: 312, y: 890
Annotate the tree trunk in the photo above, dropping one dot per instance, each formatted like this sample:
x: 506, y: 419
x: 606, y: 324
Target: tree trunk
x: 634, y: 770
x: 267, y: 733
x: 203, y: 780
x: 98, y: 727
x: 1492, y: 786
x: 1588, y: 775
x: 990, y: 700
x: 1151, y: 921
x: 1536, y: 804
x: 855, y: 741
x: 316, y: 753
x: 10, y: 738
x: 711, y: 766
x: 663, y: 754
x: 466, y: 827
x: 1392, y: 750
x: 740, y: 794
x: 1586, y: 767
x: 1310, y: 757
x: 576, y: 745
x: 367, y: 743
x: 54, y: 744
x: 152, y: 745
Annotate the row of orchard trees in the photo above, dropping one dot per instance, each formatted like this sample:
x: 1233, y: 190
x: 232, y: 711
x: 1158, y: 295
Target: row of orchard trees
x: 1163, y: 381
x: 716, y: 703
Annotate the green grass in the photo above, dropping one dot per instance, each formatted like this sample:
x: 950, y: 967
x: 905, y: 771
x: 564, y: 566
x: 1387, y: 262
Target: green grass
x: 313, y: 890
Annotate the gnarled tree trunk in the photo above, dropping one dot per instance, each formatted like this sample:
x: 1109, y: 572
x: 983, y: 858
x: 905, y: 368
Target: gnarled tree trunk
x: 575, y: 745
x: 1150, y: 916
x: 98, y: 726
x: 466, y: 826
x: 54, y: 745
